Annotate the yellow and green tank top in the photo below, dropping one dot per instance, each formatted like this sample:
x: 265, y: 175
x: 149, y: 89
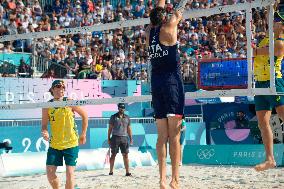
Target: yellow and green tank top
x: 64, y: 132
x: 262, y: 64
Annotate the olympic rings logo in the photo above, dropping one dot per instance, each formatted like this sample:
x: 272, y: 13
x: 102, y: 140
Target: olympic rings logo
x: 205, y: 154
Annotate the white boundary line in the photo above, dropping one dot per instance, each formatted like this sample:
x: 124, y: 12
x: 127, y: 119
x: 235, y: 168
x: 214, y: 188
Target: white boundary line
x: 136, y: 22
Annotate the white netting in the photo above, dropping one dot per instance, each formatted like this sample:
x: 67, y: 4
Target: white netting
x: 248, y: 90
x: 137, y: 22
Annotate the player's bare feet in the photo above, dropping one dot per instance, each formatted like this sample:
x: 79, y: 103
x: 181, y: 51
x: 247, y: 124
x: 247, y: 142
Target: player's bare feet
x: 163, y: 185
x: 265, y: 165
x: 174, y: 185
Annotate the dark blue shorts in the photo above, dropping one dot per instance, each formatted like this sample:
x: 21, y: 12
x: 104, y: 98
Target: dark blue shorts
x: 55, y: 157
x: 167, y: 94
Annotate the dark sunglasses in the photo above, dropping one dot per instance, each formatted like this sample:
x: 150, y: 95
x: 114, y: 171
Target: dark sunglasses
x: 278, y: 18
x: 59, y: 86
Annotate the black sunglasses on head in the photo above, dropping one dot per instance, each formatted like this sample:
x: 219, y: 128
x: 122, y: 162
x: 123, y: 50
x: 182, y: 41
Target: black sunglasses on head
x: 278, y: 18
x: 59, y: 86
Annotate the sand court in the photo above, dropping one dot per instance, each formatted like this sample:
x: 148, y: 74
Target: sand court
x: 191, y: 176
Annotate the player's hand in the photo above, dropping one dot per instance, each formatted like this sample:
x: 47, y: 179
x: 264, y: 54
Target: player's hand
x: 131, y: 142
x: 108, y: 141
x: 82, y: 139
x: 45, y: 135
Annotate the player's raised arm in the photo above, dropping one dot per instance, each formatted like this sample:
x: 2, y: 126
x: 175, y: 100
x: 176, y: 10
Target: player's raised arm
x: 177, y: 15
x: 161, y: 3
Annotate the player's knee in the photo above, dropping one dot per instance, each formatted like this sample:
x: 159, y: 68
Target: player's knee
x: 112, y: 156
x: 264, y: 125
x: 51, y: 176
x: 161, y: 141
x: 70, y: 175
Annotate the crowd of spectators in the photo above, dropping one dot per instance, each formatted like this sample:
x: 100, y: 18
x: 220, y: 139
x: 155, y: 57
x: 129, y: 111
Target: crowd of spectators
x: 121, y: 54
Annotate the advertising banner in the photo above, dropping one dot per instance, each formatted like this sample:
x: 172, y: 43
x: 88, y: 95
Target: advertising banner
x: 14, y: 58
x: 32, y: 90
x: 28, y: 138
x: 248, y: 155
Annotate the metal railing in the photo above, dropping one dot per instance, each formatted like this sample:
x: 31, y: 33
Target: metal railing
x: 41, y: 64
x: 93, y: 120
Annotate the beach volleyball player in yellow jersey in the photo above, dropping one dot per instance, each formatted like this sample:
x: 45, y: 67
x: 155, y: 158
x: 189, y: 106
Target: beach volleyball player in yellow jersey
x: 265, y: 103
x: 64, y: 139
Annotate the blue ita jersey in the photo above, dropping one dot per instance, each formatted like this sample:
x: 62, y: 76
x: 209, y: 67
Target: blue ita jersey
x: 163, y: 58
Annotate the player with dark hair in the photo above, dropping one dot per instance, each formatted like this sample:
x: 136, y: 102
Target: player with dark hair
x: 167, y: 87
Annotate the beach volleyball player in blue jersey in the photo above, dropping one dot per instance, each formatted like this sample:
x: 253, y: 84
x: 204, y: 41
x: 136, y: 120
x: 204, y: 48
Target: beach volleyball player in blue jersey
x: 167, y: 87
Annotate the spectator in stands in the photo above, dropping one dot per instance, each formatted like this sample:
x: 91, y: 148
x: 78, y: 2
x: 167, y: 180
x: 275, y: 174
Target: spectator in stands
x: 24, y: 70
x: 12, y: 27
x: 37, y: 9
x: 129, y: 70
x: 120, y: 74
x: 50, y: 74
x: 68, y: 6
x: 108, y: 6
x: 94, y: 74
x: 71, y: 63
x: 143, y: 75
x: 90, y: 7
x: 139, y: 9
x: 57, y: 8
x: 200, y: 34
x: 106, y: 75
x: 8, y: 48
x: 128, y: 7
x: 241, y: 120
x: 8, y: 68
x: 11, y: 4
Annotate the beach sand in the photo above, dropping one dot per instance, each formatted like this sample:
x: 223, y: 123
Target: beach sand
x: 191, y: 176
